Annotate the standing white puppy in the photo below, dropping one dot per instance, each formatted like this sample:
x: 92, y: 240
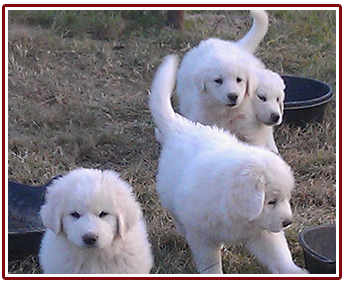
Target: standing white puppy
x: 218, y: 79
x: 218, y: 189
x: 217, y: 74
x: 94, y: 226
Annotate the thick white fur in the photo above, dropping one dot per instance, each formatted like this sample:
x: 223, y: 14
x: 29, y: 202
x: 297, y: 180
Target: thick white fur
x: 219, y: 59
x: 256, y: 34
x: 121, y: 245
x: 206, y: 101
x: 254, y: 119
x: 197, y: 88
x: 218, y: 189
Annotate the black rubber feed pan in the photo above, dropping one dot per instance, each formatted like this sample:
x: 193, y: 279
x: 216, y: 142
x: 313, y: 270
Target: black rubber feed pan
x: 305, y: 100
x: 25, y: 228
x: 319, y: 247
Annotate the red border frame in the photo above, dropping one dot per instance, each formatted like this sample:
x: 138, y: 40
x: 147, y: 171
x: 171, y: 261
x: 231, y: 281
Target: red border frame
x: 183, y: 6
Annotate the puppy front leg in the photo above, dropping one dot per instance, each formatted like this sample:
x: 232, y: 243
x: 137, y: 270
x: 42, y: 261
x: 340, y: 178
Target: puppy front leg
x: 179, y: 226
x: 270, y: 143
x: 207, y: 255
x: 271, y: 249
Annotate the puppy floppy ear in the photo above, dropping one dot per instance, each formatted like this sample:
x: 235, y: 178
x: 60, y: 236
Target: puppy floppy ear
x: 281, y: 107
x: 200, y: 80
x: 120, y: 225
x: 50, y: 213
x: 252, y: 83
x: 126, y: 219
x: 250, y: 197
x: 281, y: 103
x: 125, y: 207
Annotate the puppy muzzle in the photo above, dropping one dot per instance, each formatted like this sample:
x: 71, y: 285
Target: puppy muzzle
x: 90, y: 240
x: 287, y: 223
x: 233, y: 98
x: 275, y: 117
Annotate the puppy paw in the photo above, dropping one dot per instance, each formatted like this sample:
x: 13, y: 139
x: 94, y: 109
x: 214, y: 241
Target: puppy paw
x: 297, y: 270
x: 304, y: 271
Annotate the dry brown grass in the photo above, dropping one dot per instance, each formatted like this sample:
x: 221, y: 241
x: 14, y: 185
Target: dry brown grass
x: 82, y: 102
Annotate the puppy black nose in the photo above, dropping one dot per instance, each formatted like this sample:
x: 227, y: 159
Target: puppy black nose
x: 275, y: 117
x: 90, y: 239
x: 287, y: 223
x: 233, y: 96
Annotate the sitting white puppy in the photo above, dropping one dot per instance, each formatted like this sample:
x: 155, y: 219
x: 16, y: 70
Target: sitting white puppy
x: 218, y: 189
x: 94, y: 226
x: 216, y: 78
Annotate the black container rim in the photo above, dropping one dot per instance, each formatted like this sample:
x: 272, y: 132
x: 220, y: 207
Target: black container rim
x: 311, y: 102
x: 24, y: 231
x: 308, y: 249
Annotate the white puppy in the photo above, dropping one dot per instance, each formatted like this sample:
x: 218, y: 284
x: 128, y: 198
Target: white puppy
x: 218, y: 76
x: 94, y: 226
x: 254, y: 119
x: 218, y: 189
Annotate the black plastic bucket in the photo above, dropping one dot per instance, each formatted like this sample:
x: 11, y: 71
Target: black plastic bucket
x: 25, y: 229
x: 319, y: 247
x: 305, y: 100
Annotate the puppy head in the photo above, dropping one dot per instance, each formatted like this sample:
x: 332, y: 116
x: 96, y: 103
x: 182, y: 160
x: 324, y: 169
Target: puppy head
x: 264, y: 195
x: 276, y: 213
x: 90, y: 208
x: 269, y: 97
x: 225, y: 82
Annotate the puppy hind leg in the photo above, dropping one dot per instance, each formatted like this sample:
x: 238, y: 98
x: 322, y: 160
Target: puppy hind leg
x: 207, y: 255
x: 179, y: 227
x: 271, y: 250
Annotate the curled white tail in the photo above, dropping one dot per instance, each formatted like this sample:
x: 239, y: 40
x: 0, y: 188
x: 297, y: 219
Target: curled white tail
x: 161, y: 92
x: 257, y: 32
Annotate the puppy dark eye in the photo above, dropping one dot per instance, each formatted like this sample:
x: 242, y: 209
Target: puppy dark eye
x: 103, y: 214
x: 273, y: 202
x: 239, y: 80
x: 218, y: 80
x: 278, y: 99
x: 75, y: 215
x: 262, y: 98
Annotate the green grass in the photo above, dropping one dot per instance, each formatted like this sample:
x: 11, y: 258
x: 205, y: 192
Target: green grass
x: 78, y: 90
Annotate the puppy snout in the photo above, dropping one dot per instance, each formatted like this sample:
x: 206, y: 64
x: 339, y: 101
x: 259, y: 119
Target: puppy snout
x: 233, y: 96
x: 90, y: 239
x: 286, y: 223
x: 275, y: 117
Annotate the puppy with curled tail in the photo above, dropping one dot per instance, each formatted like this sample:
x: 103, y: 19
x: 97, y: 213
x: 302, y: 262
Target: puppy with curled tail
x: 222, y: 83
x: 220, y: 190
